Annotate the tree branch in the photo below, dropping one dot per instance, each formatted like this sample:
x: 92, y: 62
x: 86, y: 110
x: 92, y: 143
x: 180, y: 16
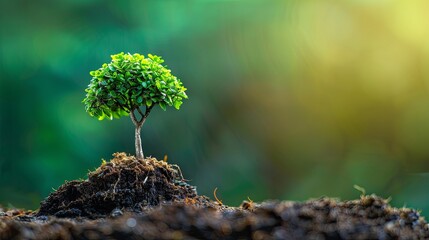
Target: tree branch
x: 141, y: 113
x: 133, y: 118
x: 148, y: 111
x: 144, y: 116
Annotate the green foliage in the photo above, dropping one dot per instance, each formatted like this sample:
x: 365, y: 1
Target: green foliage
x: 129, y: 82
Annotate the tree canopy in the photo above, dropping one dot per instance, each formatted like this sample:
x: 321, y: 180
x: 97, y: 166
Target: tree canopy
x: 131, y: 81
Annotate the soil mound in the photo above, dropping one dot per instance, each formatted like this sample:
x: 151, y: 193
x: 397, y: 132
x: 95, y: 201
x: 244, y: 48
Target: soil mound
x: 123, y: 183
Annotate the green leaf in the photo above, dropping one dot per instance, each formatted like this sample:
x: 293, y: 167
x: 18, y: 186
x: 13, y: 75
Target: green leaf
x: 177, y: 104
x: 101, y: 117
x: 148, y: 102
x: 116, y: 115
x: 183, y: 95
x: 144, y: 84
x: 162, y: 105
x: 140, y: 99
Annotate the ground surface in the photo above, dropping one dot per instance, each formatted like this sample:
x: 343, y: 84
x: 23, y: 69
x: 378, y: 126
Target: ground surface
x: 131, y: 199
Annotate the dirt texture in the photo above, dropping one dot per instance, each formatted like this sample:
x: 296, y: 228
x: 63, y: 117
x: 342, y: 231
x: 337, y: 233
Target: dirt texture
x: 124, y: 183
x: 367, y: 218
x: 128, y: 198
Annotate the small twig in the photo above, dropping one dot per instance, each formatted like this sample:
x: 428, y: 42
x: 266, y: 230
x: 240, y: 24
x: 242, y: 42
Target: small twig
x: 117, y: 181
x: 177, y: 168
x: 217, y: 199
x: 144, y: 181
x: 141, y: 113
x: 148, y: 111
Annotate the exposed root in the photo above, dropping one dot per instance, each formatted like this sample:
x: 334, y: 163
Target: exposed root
x: 217, y: 199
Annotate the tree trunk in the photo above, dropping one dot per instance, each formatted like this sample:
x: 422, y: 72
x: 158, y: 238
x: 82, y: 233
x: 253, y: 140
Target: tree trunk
x: 139, y: 149
x: 138, y: 124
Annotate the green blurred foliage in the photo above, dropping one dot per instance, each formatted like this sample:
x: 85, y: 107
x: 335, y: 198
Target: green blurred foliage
x: 287, y: 99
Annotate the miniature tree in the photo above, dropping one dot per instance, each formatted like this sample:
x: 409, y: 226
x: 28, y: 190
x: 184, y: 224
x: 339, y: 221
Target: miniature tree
x: 132, y: 85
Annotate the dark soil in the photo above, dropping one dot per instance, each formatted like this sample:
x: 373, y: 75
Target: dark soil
x: 124, y: 183
x: 132, y: 199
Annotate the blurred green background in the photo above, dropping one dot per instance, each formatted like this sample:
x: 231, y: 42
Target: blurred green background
x: 287, y: 99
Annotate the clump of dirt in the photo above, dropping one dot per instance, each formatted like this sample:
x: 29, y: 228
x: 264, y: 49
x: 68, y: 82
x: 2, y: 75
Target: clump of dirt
x: 124, y: 183
x: 369, y: 217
